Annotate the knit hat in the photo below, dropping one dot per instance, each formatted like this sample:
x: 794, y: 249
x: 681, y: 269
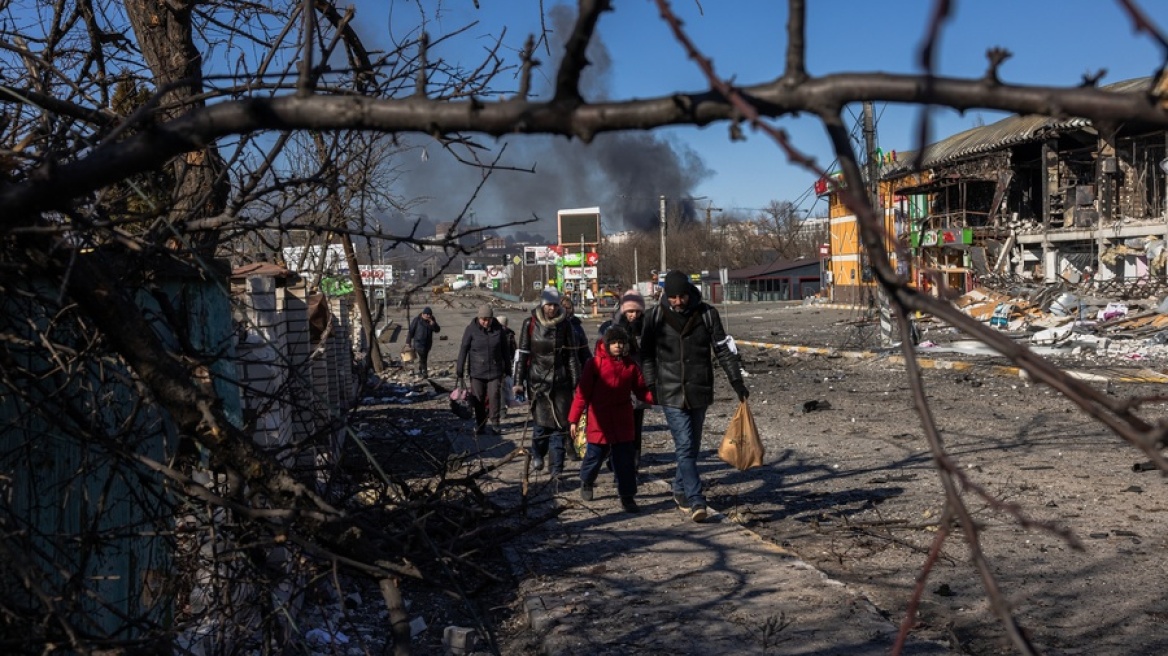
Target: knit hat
x: 632, y: 300
x: 485, y: 312
x: 616, y: 334
x: 502, y: 319
x: 549, y: 297
x: 676, y: 283
x: 426, y: 310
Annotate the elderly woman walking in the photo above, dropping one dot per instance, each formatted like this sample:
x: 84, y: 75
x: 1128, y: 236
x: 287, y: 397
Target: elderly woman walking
x: 548, y: 368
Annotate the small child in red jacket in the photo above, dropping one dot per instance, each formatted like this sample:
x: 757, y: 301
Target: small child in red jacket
x: 606, y: 387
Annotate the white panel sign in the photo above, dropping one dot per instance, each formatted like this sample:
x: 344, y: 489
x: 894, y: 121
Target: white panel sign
x: 576, y: 273
x: 377, y: 274
x: 539, y: 255
x: 297, y: 259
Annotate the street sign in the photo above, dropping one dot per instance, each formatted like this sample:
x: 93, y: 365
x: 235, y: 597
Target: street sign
x: 516, y: 260
x: 537, y: 285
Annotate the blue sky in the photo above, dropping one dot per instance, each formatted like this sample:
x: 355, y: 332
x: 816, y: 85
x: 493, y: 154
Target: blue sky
x: 1053, y: 42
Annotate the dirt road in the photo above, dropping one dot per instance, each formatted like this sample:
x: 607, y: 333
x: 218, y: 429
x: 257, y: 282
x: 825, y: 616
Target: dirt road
x: 850, y: 486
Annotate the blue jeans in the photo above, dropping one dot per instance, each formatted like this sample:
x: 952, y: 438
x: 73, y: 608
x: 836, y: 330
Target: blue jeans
x: 623, y: 464
x: 686, y: 426
x: 545, y: 439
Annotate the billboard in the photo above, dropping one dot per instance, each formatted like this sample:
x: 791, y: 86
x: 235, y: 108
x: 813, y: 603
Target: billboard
x: 578, y: 226
x: 304, y: 260
x: 540, y: 255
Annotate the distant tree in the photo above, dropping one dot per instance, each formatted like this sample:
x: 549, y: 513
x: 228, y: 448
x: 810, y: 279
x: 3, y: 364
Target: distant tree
x: 786, y: 230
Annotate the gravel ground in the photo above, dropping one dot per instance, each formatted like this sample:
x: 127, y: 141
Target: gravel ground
x: 1073, y: 535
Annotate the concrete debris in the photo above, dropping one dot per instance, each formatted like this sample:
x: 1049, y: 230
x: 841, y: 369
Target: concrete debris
x: 1075, y: 324
x: 459, y: 640
x: 323, y: 637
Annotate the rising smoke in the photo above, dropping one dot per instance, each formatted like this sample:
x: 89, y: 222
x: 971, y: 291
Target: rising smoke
x: 622, y: 173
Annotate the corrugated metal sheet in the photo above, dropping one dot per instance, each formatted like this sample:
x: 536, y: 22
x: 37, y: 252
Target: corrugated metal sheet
x: 92, y: 517
x: 1005, y: 133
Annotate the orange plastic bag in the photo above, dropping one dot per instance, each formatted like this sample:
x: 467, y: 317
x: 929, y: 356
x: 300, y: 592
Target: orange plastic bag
x: 741, y: 447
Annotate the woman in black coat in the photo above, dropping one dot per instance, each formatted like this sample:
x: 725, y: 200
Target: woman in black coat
x: 548, y: 369
x: 485, y: 355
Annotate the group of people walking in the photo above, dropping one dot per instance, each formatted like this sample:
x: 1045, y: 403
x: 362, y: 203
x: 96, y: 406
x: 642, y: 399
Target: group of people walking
x: 661, y: 356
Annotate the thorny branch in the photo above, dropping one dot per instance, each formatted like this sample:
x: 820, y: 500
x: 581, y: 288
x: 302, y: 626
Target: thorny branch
x: 1115, y: 414
x: 81, y: 172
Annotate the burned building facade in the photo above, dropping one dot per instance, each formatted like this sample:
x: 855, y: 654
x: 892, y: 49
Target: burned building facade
x: 1053, y: 201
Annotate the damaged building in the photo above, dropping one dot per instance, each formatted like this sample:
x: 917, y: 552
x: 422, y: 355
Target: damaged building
x: 1027, y: 199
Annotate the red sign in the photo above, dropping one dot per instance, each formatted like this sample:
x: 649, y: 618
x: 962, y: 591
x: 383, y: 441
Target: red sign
x: 591, y: 259
x: 825, y: 249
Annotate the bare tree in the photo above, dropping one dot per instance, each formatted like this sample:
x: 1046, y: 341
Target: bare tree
x: 788, y: 232
x: 81, y: 261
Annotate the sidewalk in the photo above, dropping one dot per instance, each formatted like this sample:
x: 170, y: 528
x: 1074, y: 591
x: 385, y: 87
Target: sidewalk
x: 598, y: 580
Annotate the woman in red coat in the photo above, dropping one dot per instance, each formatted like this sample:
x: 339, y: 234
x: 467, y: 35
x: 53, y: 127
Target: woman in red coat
x: 607, y: 385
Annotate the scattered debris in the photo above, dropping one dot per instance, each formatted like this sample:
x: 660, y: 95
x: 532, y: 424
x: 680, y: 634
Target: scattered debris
x: 812, y: 406
x: 323, y: 637
x: 1051, y: 316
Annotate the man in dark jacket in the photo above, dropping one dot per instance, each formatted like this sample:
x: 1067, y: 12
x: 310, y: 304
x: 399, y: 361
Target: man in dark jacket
x: 548, y: 367
x: 676, y: 343
x: 421, y: 337
x: 485, y: 354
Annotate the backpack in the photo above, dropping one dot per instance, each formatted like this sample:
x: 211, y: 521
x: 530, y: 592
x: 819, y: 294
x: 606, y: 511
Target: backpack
x: 653, y: 319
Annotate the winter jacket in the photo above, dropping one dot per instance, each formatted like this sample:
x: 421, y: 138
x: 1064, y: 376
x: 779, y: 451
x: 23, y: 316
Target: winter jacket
x: 605, y: 391
x: 584, y: 354
x: 421, y: 333
x: 548, y: 367
x: 485, y: 353
x: 675, y: 353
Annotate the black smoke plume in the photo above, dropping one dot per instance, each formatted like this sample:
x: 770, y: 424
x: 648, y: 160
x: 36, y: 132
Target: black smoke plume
x: 622, y: 173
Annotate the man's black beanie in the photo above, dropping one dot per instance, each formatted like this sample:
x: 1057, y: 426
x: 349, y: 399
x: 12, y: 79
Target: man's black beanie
x: 676, y: 283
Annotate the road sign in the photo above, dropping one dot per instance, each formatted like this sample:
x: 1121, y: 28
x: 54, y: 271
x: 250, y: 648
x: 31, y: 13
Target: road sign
x: 516, y: 260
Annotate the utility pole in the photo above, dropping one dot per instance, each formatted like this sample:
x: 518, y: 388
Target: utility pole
x: 663, y: 226
x: 872, y: 167
x: 872, y: 172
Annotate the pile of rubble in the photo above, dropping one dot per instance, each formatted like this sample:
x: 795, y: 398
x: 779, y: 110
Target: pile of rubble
x: 1054, y: 317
